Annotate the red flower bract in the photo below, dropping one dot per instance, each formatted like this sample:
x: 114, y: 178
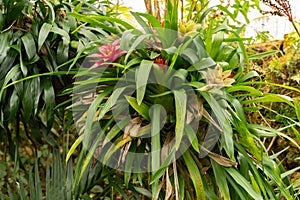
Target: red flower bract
x: 107, y: 53
x: 161, y: 63
x: 230, y: 76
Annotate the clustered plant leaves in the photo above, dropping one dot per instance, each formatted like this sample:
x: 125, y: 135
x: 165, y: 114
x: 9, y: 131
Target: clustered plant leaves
x: 153, y: 113
x: 238, y: 147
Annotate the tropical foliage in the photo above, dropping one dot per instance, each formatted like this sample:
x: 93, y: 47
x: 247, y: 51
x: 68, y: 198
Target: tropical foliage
x: 155, y: 112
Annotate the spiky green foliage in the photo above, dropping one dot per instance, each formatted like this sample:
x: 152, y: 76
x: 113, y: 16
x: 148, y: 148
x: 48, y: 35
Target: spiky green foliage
x: 226, y: 158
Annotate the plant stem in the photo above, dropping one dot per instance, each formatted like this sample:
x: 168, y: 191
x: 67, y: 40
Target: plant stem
x: 296, y: 29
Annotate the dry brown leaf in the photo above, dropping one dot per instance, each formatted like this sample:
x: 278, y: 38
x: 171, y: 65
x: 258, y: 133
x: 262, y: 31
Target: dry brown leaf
x: 201, y: 108
x: 221, y: 160
x: 204, y: 169
x: 169, y: 188
x: 166, y: 149
x: 125, y: 152
x: 134, y: 130
x: 195, y: 110
x: 211, y: 120
x: 189, y: 117
x: 177, y: 194
x: 133, y: 127
x: 159, y: 188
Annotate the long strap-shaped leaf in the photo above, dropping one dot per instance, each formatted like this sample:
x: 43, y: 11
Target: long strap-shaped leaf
x: 180, y: 108
x: 224, y: 123
x: 219, y: 173
x: 141, y: 78
x: 155, y: 147
x: 243, y: 183
x: 195, y: 175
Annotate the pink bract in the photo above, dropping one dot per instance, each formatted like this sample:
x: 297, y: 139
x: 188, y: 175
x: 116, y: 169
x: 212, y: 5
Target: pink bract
x: 107, y: 53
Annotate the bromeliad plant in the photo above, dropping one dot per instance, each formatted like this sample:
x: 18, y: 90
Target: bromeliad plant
x: 156, y: 107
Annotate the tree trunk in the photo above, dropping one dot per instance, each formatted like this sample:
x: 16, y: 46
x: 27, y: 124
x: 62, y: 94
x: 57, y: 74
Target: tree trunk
x: 156, y: 8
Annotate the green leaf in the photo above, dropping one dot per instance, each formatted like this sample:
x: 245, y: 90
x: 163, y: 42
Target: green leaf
x: 262, y: 55
x: 111, y: 19
x: 91, y: 114
x: 181, y: 187
x: 111, y: 135
x: 143, y: 24
x: 63, y: 51
x: 191, y: 54
x: 245, y: 137
x: 272, y: 172
x: 88, y: 33
x: 48, y: 186
x: 29, y: 45
x: 239, y: 110
x: 142, y: 109
x: 171, y: 18
x: 31, y: 185
x: 269, y: 97
x: 297, y: 109
x: 129, y: 162
x: 22, y: 193
x: 163, y: 34
x: 270, y: 132
x: 28, y: 100
x: 50, y: 11
x: 238, y: 178
x: 204, y: 63
x: 61, y: 32
x: 37, y: 181
x: 73, y: 147
x: 289, y: 172
x: 14, y: 105
x: 271, y: 84
x: 259, y: 177
x: 99, y: 21
x: 219, y: 173
x: 252, y: 91
x: 153, y: 20
x: 249, y: 75
x: 195, y: 175
x: 135, y: 44
x: 112, y: 100
x: 199, y: 43
x: 224, y: 122
x: 13, y: 10
x: 180, y: 108
x: 49, y: 98
x: 155, y: 145
x: 5, y: 41
x: 141, y: 78
x: 90, y: 154
x: 189, y: 131
x: 143, y: 191
x: 44, y: 32
x: 217, y: 42
x: 157, y: 174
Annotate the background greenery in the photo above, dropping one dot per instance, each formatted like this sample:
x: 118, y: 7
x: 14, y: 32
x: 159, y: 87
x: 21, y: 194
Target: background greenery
x: 43, y: 44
